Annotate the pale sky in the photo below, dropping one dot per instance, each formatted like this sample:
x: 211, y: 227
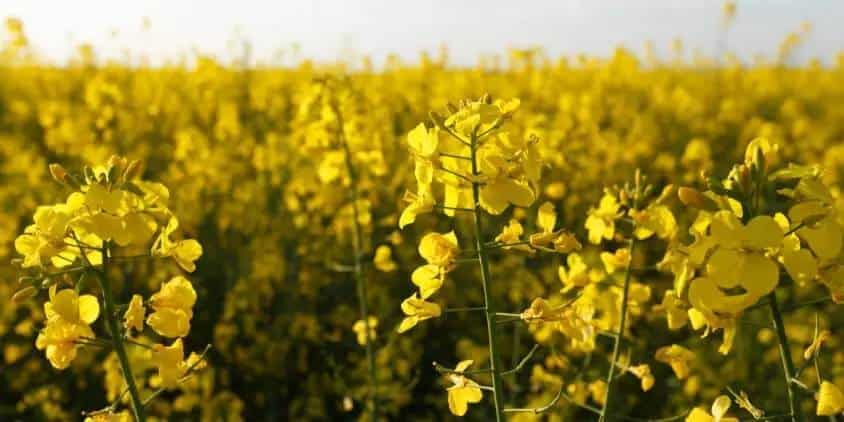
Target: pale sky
x: 329, y: 29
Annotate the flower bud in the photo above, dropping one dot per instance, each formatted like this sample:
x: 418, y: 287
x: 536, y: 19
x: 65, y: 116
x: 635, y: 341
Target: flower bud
x: 133, y: 170
x: 693, y: 198
x: 58, y: 172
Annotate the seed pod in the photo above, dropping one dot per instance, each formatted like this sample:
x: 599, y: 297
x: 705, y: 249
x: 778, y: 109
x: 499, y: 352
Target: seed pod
x: 24, y: 294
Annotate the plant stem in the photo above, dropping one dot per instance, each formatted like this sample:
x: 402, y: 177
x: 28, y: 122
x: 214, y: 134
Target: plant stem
x: 494, y: 358
x: 117, y: 338
x: 357, y: 246
x: 785, y: 355
x: 616, y: 352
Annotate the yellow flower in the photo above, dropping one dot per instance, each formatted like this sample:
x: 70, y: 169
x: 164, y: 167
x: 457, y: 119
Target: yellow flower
x: 429, y: 278
x: 655, y: 219
x: 719, y: 410
x: 59, y: 338
x: 423, y: 142
x: 68, y: 318
x: 383, y: 260
x: 601, y: 221
x: 184, y: 252
x: 598, y: 391
x: 712, y: 322
x: 46, y: 238
x: 123, y: 416
x: 643, y: 372
x: 421, y: 203
x: 464, y: 390
x: 830, y: 400
x: 738, y: 261
x: 417, y: 309
x: 439, y: 249
x: 67, y: 306
x: 170, y: 363
x: 678, y: 357
x: 360, y: 329
x: 512, y: 233
x: 824, y: 236
x: 499, y: 193
x: 133, y: 319
x: 674, y: 311
x: 562, y: 241
x: 540, y: 310
x: 614, y: 261
x: 172, y: 308
x: 576, y: 275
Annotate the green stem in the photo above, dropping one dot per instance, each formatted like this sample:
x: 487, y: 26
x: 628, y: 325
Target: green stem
x: 357, y: 246
x: 494, y: 358
x: 117, y: 338
x: 616, y: 352
x: 785, y: 355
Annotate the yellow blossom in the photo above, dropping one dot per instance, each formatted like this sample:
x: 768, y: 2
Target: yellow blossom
x: 464, y: 391
x: 417, y: 309
x: 360, y: 326
x: 172, y: 308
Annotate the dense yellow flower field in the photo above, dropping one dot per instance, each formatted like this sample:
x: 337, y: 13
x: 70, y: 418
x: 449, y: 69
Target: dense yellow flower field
x: 537, y: 238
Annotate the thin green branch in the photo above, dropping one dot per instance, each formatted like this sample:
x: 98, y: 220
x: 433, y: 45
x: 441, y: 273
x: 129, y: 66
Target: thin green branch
x: 785, y: 356
x: 357, y: 245
x: 538, y: 410
x: 523, y: 362
x: 494, y: 358
x: 619, y: 334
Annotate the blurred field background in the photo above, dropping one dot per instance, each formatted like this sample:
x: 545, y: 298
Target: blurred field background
x: 232, y: 136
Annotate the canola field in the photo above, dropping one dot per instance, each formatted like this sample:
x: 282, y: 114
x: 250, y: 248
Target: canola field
x: 533, y: 238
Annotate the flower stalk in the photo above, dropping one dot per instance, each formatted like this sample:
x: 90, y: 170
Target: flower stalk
x: 117, y: 339
x: 357, y: 249
x: 489, y: 304
x: 619, y: 335
x: 785, y: 356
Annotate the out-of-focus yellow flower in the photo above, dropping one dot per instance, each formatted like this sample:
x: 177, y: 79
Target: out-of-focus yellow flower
x: 601, y: 221
x: 123, y: 416
x: 172, y: 308
x: 614, y: 261
x: 464, y: 391
x: 577, y: 274
x: 360, y: 329
x: 133, y: 319
x: 383, y: 259
x: 675, y: 313
x: 598, y: 391
x: 678, y: 357
x: 643, y: 372
x: 654, y: 220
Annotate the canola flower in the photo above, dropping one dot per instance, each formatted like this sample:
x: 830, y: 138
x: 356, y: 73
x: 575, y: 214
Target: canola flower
x: 109, y: 210
x: 256, y: 149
